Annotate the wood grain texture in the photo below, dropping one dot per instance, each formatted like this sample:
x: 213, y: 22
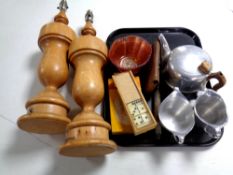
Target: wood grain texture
x: 47, y: 112
x: 153, y: 75
x: 87, y: 135
x: 138, y: 112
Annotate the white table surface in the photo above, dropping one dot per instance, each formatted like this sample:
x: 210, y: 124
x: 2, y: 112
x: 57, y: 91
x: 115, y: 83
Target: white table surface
x: 20, y: 23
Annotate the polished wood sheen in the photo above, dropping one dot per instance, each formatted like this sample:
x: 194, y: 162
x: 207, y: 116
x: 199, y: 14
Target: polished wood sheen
x: 47, y: 112
x: 88, y: 133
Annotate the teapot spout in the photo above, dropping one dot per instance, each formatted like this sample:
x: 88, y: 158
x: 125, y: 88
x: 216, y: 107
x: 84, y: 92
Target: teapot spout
x: 165, y: 49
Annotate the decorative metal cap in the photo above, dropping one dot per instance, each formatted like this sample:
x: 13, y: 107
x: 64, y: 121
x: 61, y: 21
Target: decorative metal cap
x: 63, y: 5
x: 89, y: 16
x: 88, y: 29
x: 61, y: 16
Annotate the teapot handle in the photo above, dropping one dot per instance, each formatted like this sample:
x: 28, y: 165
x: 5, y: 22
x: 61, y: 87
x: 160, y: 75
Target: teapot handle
x: 220, y: 77
x: 165, y: 49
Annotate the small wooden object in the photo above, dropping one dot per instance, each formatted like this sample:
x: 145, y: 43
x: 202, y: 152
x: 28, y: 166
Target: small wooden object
x: 153, y: 78
x: 88, y: 133
x: 155, y: 108
x: 205, y: 67
x: 47, y: 112
x: 119, y: 119
x: 134, y: 102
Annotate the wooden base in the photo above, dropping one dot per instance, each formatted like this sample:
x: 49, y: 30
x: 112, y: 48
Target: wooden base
x: 87, y: 135
x: 47, y: 114
x: 88, y: 148
x: 43, y: 123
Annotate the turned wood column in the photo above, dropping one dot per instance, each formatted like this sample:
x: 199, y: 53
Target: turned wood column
x: 88, y: 133
x: 47, y: 112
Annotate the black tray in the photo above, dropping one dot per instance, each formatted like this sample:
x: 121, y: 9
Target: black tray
x: 175, y: 37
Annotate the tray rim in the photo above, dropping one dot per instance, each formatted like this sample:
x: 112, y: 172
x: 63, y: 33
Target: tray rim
x: 159, y: 29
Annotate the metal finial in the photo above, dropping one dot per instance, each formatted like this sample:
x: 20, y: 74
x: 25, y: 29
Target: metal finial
x: 89, y: 16
x: 63, y: 5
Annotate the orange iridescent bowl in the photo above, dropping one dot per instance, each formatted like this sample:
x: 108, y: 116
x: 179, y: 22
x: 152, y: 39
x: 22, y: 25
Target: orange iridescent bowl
x: 130, y: 53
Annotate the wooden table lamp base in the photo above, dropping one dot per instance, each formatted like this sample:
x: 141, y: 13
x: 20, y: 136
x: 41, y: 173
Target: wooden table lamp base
x: 42, y: 124
x: 47, y: 112
x: 88, y: 149
x: 88, y: 136
x: 88, y: 133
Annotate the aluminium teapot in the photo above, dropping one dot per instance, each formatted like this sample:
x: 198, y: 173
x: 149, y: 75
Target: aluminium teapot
x: 187, y: 67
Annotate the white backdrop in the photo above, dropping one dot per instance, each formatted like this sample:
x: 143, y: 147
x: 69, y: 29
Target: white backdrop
x: 20, y: 23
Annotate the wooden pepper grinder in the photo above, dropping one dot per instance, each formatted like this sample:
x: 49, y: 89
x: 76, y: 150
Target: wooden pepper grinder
x: 47, y: 112
x: 88, y: 133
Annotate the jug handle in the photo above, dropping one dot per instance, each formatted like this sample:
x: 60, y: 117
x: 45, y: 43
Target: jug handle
x: 220, y: 77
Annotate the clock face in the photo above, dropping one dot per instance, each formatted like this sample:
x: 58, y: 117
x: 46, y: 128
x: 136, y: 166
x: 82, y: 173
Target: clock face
x: 139, y: 114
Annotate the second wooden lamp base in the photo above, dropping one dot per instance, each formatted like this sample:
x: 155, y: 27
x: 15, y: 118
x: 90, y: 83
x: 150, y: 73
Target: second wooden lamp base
x: 88, y: 133
x: 87, y: 136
